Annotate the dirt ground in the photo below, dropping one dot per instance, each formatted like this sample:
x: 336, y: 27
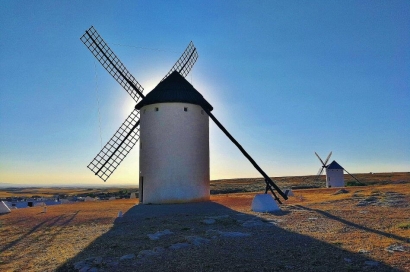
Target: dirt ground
x: 349, y: 229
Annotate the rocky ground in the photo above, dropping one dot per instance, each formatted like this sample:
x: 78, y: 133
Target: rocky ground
x: 350, y: 229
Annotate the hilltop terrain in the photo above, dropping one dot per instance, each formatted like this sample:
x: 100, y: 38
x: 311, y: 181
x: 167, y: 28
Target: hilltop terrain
x: 357, y: 228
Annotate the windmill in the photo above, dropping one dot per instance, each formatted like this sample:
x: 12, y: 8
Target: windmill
x: 174, y: 143
x: 334, y: 172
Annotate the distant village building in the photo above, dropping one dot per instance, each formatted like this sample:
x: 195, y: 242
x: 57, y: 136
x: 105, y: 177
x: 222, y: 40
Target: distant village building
x: 4, y: 208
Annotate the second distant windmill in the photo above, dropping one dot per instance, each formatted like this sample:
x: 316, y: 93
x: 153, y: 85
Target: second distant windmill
x: 334, y: 172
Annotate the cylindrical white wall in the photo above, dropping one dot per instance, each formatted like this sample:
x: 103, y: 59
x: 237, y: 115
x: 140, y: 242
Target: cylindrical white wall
x: 334, y: 178
x: 174, y: 153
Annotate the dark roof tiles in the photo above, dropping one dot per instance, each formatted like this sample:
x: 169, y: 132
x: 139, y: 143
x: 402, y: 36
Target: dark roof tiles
x: 175, y: 88
x: 334, y: 165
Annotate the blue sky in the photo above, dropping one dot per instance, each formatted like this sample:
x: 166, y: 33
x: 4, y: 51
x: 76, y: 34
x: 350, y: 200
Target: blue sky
x: 286, y: 78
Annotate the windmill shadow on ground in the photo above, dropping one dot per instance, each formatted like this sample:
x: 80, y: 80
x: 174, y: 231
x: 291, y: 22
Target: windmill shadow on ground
x: 208, y: 236
x: 352, y: 224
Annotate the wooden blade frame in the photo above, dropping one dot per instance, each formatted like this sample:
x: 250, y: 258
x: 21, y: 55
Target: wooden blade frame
x: 319, y: 159
x: 117, y: 148
x: 185, y: 63
x: 327, y: 159
x: 111, y: 63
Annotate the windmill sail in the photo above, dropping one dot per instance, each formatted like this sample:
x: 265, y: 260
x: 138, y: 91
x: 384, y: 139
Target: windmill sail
x: 117, y: 148
x: 323, y: 165
x: 327, y: 159
x: 185, y: 63
x: 111, y: 63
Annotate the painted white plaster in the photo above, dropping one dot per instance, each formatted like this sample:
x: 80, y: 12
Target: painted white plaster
x: 264, y: 203
x: 334, y: 178
x: 174, y: 153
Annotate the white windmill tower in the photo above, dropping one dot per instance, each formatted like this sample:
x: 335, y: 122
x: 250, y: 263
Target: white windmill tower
x: 174, y: 125
x: 334, y: 173
x: 174, y: 143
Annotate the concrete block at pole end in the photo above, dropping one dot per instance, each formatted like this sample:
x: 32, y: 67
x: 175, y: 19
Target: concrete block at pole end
x: 264, y: 203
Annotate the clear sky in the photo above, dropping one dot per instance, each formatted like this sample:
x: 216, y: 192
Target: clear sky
x: 286, y: 78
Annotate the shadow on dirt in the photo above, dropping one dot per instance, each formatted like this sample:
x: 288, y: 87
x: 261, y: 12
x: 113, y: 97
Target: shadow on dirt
x: 351, y: 224
x: 50, y: 221
x: 57, y: 221
x: 209, y: 237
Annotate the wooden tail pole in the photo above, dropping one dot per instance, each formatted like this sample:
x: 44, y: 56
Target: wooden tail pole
x: 268, y: 180
x: 354, y: 178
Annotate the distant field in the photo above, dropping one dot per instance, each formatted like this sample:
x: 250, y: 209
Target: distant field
x: 258, y: 184
x: 221, y: 186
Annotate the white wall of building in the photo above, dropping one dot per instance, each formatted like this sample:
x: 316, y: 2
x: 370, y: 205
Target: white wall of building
x: 334, y: 178
x: 174, y: 153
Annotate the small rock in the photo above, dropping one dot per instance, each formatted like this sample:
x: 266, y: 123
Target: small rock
x: 79, y: 265
x: 371, y: 263
x: 145, y: 253
x: 127, y: 257
x: 159, y: 249
x: 363, y: 251
x: 179, y: 246
x: 196, y: 240
x: 394, y: 247
x: 158, y: 234
x: 209, y: 221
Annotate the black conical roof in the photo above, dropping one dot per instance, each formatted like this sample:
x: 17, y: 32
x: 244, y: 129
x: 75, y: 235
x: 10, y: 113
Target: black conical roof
x: 175, y: 88
x: 334, y: 165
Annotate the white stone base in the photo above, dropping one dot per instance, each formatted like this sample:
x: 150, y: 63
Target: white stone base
x: 290, y: 193
x: 264, y: 203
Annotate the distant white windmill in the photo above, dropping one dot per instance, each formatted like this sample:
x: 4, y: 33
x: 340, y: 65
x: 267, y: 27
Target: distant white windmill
x: 334, y: 173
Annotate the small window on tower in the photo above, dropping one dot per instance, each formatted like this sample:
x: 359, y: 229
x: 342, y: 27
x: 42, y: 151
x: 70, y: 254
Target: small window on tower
x: 185, y: 109
x: 202, y: 112
x: 156, y: 109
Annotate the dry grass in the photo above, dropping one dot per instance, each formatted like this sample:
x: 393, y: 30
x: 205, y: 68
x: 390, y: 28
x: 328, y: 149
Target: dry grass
x: 365, y: 219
